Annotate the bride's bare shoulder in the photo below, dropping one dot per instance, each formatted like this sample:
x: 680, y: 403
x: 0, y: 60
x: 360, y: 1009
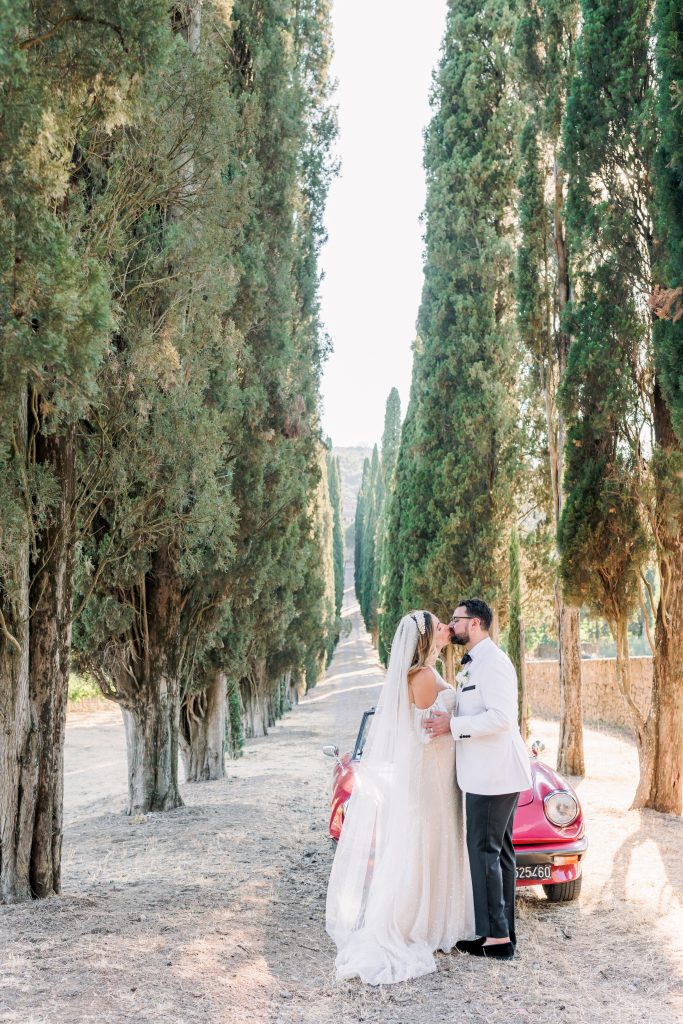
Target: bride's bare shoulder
x: 423, y: 688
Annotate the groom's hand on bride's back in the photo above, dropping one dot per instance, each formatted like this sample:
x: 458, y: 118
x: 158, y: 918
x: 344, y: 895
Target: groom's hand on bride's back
x: 439, y: 723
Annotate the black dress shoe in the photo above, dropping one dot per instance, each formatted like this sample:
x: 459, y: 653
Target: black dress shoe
x: 470, y: 945
x: 498, y: 951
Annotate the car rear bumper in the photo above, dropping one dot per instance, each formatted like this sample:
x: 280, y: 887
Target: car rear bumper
x: 564, y: 859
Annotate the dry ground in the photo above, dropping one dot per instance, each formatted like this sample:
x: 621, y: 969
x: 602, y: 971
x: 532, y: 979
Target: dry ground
x: 214, y: 912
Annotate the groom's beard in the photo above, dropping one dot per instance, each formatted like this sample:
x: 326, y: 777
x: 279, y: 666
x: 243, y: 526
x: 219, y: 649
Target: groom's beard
x: 461, y: 641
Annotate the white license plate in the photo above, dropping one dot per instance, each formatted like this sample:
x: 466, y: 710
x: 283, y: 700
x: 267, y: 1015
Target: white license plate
x: 539, y: 872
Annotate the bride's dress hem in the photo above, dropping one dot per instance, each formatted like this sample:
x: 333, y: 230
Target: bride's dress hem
x: 415, y: 960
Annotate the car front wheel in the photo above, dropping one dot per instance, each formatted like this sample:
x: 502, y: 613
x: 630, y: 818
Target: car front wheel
x: 563, y: 892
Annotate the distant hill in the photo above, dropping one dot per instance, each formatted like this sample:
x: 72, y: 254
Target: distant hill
x: 351, y: 468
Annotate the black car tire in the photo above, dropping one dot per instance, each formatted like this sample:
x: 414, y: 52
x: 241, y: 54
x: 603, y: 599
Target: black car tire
x: 564, y: 892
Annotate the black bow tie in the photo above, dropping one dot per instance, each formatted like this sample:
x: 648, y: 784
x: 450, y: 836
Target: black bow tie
x: 465, y: 658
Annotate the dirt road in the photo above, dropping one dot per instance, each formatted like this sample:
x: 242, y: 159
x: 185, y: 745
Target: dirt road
x: 214, y: 912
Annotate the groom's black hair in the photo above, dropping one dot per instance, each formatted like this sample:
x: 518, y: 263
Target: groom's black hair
x: 479, y: 609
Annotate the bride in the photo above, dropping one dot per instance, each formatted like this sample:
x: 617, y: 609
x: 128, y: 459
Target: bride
x: 400, y: 885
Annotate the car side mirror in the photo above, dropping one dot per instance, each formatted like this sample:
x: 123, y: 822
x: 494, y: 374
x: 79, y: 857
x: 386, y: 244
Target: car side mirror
x: 330, y: 750
x: 536, y: 747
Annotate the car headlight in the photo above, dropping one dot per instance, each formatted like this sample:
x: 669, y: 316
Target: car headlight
x: 561, y: 808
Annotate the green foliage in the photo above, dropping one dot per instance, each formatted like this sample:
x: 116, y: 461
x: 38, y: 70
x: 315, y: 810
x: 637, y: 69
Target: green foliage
x: 334, y: 485
x: 668, y: 333
x: 62, y: 80
x: 453, y: 500
x: 162, y: 186
x: 609, y: 145
x: 514, y: 644
x: 370, y: 523
x: 234, y: 740
x: 391, y: 436
x: 362, y: 505
x: 82, y: 688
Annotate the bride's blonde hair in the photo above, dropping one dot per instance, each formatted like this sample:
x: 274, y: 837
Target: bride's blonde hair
x: 426, y: 645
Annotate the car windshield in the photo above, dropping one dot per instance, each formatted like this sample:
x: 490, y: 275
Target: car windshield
x: 362, y: 734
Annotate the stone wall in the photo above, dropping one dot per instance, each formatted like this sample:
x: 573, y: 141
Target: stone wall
x: 603, y: 703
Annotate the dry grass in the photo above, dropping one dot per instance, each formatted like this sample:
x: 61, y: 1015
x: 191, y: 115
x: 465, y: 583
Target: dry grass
x: 214, y: 912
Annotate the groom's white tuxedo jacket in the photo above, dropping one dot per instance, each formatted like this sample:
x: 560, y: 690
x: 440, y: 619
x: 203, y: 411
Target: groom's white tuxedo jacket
x: 491, y: 757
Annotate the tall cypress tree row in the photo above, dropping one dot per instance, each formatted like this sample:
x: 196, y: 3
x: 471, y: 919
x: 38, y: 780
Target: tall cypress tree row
x: 175, y: 430
x: 613, y: 389
x: 57, y: 317
x: 391, y: 439
x: 280, y: 571
x: 391, y: 435
x: 334, y: 478
x: 359, y: 540
x: 464, y: 372
x: 408, y: 529
x: 371, y: 519
x: 371, y: 512
x: 545, y: 41
x: 515, y: 648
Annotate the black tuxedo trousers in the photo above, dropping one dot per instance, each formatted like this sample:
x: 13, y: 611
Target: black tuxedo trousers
x: 492, y: 862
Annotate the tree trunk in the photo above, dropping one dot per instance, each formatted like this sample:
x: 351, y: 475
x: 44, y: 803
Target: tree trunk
x: 51, y: 597
x: 18, y: 737
x: 570, y: 757
x: 152, y: 720
x: 666, y: 791
x: 34, y: 667
x: 521, y: 684
x: 643, y: 726
x: 663, y: 790
x: 202, y: 731
x: 18, y: 727
x: 255, y: 701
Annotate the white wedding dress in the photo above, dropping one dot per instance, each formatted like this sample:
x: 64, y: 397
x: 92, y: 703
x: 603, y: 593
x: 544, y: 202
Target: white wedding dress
x: 400, y: 885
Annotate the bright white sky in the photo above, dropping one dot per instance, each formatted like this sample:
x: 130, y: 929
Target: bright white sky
x: 385, y: 51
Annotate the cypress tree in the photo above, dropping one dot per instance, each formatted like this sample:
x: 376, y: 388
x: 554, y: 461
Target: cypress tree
x: 372, y: 513
x: 334, y: 479
x: 516, y: 630
x: 362, y: 503
x: 545, y: 41
x: 459, y: 508
x: 57, y: 316
x: 613, y: 389
x: 164, y: 516
x: 391, y: 436
x: 408, y: 529
x: 391, y: 439
x: 667, y: 786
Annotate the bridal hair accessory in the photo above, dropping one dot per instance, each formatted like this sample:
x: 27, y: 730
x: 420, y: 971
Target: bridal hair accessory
x: 419, y: 619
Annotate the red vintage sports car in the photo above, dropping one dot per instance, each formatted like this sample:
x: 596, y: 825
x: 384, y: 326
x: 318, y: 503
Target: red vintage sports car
x: 548, y: 836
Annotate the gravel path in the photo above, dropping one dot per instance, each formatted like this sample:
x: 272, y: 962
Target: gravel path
x: 214, y: 912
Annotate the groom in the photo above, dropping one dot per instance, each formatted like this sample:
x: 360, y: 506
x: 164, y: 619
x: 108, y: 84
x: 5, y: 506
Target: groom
x: 492, y: 766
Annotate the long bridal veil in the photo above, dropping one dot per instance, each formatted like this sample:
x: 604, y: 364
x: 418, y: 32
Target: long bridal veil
x: 371, y: 894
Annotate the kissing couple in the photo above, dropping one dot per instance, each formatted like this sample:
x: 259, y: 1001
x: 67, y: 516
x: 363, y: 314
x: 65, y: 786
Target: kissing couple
x: 425, y: 860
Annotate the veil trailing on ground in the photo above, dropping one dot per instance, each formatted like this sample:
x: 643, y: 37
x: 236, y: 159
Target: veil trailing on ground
x: 366, y: 915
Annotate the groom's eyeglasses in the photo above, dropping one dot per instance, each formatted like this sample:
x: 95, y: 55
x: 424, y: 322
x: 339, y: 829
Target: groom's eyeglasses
x: 456, y: 618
